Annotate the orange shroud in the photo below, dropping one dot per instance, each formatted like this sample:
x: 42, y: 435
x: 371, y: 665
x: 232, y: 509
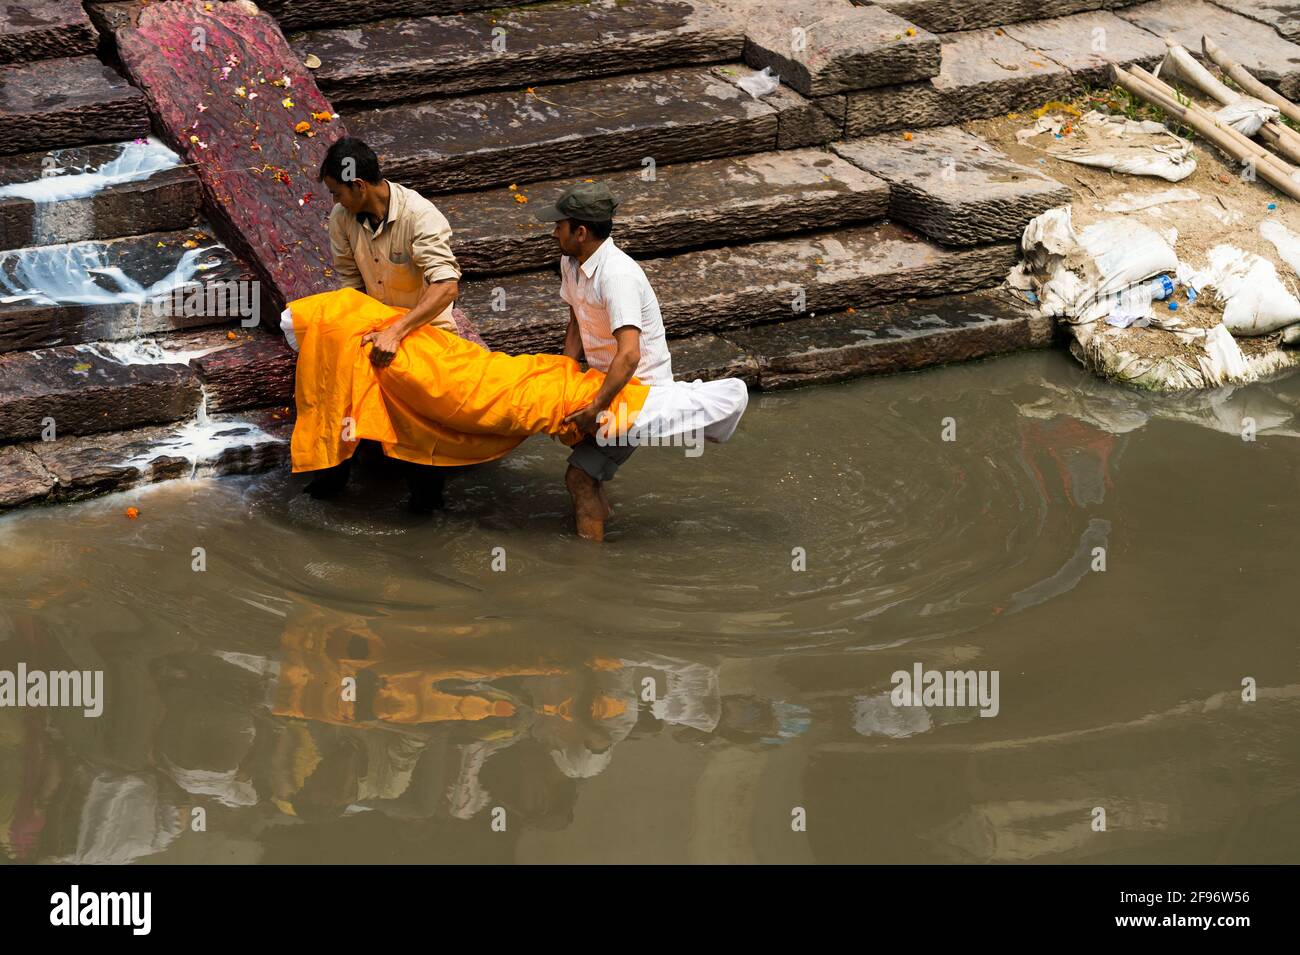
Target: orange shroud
x: 442, y: 400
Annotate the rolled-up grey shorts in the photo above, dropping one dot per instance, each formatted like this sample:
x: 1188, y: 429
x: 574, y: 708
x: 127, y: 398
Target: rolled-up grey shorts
x: 600, y: 461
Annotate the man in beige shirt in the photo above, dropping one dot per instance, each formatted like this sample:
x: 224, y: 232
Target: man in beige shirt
x: 393, y: 244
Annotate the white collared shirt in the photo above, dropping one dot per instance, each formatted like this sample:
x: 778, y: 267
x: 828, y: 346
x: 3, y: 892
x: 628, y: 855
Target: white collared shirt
x: 608, y: 292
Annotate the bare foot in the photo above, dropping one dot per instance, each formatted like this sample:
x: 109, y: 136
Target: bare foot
x: 588, y: 512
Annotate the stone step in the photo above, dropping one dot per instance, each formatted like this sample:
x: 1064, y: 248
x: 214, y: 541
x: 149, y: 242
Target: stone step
x: 1088, y: 43
x: 1256, y: 46
x: 239, y: 369
x: 73, y: 468
x: 305, y: 14
x: 43, y: 29
x: 67, y: 101
x: 79, y: 389
x: 714, y: 289
x: 1282, y: 15
x: 985, y: 73
x: 584, y: 128
x: 952, y: 16
x: 395, y: 60
x: 94, y: 192
x: 904, y: 336
x: 820, y: 47
x: 117, y: 289
x: 953, y: 186
x: 716, y: 201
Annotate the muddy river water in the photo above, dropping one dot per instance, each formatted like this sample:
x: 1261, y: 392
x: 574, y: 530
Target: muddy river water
x: 292, y: 681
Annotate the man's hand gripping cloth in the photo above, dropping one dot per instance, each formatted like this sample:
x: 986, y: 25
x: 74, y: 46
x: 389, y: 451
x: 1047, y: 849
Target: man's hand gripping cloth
x: 446, y: 401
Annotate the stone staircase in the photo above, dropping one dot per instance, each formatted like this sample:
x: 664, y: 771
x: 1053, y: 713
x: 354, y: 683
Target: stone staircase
x: 839, y: 225
x: 100, y: 387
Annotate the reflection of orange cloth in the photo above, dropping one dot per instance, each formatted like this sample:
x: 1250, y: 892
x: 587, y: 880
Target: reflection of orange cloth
x: 442, y: 401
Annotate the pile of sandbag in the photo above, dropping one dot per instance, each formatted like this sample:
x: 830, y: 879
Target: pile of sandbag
x: 1104, y: 282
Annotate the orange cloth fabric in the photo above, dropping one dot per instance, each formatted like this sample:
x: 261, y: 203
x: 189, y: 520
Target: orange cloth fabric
x: 442, y: 400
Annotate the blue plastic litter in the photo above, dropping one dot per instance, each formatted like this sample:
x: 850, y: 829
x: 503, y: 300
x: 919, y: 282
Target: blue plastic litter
x: 1272, y: 205
x: 1173, y: 306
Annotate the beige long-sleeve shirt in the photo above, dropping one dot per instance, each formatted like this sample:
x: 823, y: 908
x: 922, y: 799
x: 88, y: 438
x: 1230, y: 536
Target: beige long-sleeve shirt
x: 394, y: 261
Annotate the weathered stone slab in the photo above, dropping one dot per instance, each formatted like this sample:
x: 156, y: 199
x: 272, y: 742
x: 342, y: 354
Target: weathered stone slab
x: 953, y: 186
x: 67, y: 101
x: 395, y: 60
x: 709, y: 357
x: 799, y: 120
x: 951, y: 16
x: 1282, y: 15
x: 167, y: 199
x: 82, y: 298
x: 736, y: 199
x: 1254, y: 45
x: 820, y: 47
x: 302, y: 14
x: 38, y: 29
x: 103, y: 463
x: 900, y: 337
x: 254, y: 195
x: 253, y: 371
x: 984, y: 73
x: 576, y: 129
x: 713, y: 289
x: 84, y: 392
x: 1088, y: 43
x: 23, y: 479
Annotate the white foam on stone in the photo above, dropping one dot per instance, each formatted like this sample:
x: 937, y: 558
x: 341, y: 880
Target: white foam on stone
x: 66, y: 275
x: 136, y: 161
x: 146, y: 351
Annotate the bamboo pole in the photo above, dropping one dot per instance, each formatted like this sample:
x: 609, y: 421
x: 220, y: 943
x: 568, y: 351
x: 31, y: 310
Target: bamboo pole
x: 1282, y: 138
x: 1245, y: 143
x: 1247, y: 82
x: 1215, y: 133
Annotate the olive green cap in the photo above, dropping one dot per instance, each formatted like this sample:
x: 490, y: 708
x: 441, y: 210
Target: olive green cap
x: 586, y: 202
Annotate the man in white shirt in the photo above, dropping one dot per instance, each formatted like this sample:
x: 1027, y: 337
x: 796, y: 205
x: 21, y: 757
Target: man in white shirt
x: 614, y: 321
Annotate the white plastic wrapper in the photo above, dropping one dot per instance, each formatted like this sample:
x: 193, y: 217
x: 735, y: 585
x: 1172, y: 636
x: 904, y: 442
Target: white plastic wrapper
x: 761, y: 83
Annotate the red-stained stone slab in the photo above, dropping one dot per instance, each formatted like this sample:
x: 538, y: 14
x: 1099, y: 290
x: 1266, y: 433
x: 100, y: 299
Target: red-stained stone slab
x: 253, y: 195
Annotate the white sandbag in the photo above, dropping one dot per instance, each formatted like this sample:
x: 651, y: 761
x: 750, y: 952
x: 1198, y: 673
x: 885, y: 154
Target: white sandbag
x: 1137, y: 148
x: 1284, y: 240
x: 1248, y: 114
x: 1171, y: 165
x: 1082, y: 277
x: 1254, y: 300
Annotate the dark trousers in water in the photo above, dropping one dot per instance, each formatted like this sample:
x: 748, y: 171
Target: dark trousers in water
x: 424, y: 481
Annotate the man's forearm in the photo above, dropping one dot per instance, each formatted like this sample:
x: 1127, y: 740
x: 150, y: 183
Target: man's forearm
x: 572, y: 338
x: 621, y: 370
x: 435, y: 299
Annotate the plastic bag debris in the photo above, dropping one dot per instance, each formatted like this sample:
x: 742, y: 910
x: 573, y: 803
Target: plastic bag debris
x: 1128, y: 146
x: 1131, y: 203
x: 1284, y: 240
x: 761, y: 83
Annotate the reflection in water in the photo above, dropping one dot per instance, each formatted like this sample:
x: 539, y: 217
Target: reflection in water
x: 345, y: 683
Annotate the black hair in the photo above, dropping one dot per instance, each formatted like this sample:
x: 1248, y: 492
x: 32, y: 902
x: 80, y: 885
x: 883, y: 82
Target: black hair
x: 600, y: 230
x: 364, y: 163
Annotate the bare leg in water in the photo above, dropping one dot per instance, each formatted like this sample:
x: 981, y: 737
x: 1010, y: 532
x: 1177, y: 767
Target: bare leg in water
x: 590, y: 506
